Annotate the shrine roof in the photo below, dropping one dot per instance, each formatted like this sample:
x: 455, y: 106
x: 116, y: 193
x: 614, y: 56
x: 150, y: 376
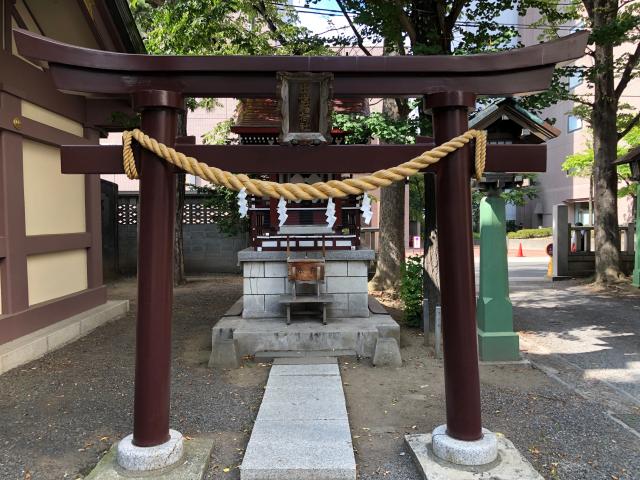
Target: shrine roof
x: 265, y: 112
x: 510, y: 107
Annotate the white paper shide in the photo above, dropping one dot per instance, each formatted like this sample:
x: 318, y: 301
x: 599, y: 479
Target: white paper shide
x: 330, y: 213
x: 365, y: 208
x: 243, y: 205
x: 282, y: 211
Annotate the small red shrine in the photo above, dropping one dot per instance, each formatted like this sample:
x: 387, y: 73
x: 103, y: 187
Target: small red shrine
x: 260, y: 123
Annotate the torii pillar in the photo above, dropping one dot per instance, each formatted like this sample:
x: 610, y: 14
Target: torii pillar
x: 153, y: 445
x: 462, y: 440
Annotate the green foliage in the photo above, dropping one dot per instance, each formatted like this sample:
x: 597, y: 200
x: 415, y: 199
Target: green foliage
x: 222, y: 199
x: 623, y: 27
x: 580, y: 164
x: 427, y: 27
x: 531, y: 233
x: 223, y: 27
x: 125, y: 121
x: 411, y: 289
x: 220, y: 134
x: 225, y: 202
x: 362, y: 128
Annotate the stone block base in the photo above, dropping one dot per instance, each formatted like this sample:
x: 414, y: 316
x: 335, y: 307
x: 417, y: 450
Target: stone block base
x: 192, y: 465
x: 39, y: 343
x: 224, y: 351
x: 498, y: 346
x: 510, y: 464
x: 265, y: 280
x: 341, y: 336
x: 387, y: 353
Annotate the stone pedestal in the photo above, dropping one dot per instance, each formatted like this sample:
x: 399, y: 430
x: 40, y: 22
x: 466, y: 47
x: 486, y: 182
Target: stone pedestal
x: 509, y: 463
x: 357, y: 325
x: 144, y: 459
x: 265, y: 279
x: 496, y: 339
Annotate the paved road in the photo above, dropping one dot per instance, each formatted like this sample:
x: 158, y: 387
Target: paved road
x: 523, y: 270
x: 585, y: 338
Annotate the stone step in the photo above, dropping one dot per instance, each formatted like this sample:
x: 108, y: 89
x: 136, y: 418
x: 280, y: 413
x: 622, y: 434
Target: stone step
x: 267, y: 334
x: 272, y: 355
x: 305, y: 361
x: 302, y: 430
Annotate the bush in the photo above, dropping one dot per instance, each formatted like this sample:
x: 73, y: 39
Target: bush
x: 531, y: 233
x: 411, y: 290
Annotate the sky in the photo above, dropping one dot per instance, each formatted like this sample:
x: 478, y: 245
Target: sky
x: 320, y: 24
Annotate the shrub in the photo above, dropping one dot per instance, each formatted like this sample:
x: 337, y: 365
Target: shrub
x: 411, y: 289
x: 531, y: 233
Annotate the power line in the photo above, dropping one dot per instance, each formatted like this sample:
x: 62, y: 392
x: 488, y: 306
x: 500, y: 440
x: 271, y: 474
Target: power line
x: 325, y: 12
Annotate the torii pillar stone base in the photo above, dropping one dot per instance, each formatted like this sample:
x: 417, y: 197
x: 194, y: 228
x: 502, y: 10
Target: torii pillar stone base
x: 497, y: 342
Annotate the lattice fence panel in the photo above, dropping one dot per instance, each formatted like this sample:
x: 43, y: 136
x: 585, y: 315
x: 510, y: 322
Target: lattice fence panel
x: 195, y: 212
x: 127, y: 213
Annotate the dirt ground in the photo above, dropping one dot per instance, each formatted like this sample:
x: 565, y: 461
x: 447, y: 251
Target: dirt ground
x: 59, y: 414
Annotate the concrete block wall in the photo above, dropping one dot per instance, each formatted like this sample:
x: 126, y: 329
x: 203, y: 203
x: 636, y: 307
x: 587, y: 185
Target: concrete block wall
x: 265, y: 281
x: 206, y: 249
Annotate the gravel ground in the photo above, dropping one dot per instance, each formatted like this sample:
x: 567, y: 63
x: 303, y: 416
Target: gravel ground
x: 61, y: 413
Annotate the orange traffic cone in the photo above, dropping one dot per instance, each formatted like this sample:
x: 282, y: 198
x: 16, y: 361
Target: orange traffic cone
x: 520, y: 253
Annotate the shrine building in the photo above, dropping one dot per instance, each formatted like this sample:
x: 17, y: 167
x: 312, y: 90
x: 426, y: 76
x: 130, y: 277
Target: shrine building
x: 51, y: 284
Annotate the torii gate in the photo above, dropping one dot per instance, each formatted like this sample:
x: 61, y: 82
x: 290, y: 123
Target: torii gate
x: 157, y: 86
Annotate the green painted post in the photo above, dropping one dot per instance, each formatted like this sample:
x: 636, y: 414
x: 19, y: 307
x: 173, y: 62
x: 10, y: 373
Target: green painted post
x: 496, y: 339
x: 636, y: 268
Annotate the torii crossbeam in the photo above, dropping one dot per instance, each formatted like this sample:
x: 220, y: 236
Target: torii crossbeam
x: 157, y: 86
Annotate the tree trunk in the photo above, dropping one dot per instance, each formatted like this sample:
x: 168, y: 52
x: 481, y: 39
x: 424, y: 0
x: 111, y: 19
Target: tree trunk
x: 605, y: 139
x: 179, y: 277
x: 391, y: 253
x: 431, y: 280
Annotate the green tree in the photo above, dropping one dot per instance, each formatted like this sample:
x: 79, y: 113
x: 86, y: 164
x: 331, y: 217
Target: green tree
x: 218, y: 27
x: 614, y: 25
x: 580, y: 164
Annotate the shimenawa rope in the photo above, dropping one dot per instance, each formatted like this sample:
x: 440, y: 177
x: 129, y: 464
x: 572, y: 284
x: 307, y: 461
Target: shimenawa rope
x: 303, y: 191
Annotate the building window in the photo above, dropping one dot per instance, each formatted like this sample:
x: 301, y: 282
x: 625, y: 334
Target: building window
x: 575, y: 80
x: 582, y: 213
x: 574, y: 123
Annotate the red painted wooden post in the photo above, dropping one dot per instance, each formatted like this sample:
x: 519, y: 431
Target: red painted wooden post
x: 455, y: 248
x: 155, y: 272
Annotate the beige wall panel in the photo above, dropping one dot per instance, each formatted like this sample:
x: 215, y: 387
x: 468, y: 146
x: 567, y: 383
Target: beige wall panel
x: 55, y: 120
x: 53, y: 275
x: 54, y: 203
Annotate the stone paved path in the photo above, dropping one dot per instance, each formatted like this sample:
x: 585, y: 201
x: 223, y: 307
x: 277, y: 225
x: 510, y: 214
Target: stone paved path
x: 302, y: 430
